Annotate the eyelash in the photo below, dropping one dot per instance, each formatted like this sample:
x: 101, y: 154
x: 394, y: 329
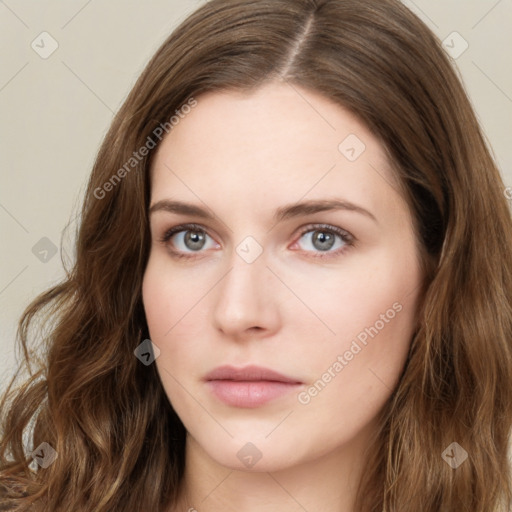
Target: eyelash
x: 345, y: 236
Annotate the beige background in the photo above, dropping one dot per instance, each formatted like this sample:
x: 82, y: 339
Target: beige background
x: 55, y: 111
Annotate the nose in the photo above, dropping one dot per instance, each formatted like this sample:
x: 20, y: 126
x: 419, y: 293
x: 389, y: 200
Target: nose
x: 246, y: 300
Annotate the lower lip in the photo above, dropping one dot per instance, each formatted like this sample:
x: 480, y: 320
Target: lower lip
x: 249, y: 393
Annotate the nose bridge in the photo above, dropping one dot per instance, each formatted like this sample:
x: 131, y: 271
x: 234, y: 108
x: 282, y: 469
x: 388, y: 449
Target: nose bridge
x: 244, y: 298
x: 246, y: 276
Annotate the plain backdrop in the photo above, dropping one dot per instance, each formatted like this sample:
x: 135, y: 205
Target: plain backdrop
x: 67, y: 66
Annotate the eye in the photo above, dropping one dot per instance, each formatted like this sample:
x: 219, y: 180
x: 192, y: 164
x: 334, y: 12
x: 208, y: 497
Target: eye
x: 329, y: 240
x: 322, y: 240
x: 188, y: 238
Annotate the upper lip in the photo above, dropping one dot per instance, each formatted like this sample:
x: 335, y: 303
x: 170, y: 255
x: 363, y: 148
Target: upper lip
x: 248, y: 373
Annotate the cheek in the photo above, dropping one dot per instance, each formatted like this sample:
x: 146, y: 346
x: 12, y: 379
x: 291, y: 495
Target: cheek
x: 371, y: 307
x: 354, y: 375
x: 169, y: 297
x: 173, y: 307
x: 364, y: 292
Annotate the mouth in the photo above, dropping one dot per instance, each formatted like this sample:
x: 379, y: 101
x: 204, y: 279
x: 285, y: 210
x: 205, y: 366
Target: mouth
x: 249, y: 387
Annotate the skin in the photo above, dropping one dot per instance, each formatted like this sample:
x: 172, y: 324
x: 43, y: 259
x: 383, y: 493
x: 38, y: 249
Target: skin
x: 242, y: 156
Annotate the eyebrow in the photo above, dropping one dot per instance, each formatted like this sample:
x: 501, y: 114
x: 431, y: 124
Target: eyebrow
x: 281, y: 214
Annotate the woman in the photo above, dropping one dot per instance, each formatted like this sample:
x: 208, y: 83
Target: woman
x: 292, y: 287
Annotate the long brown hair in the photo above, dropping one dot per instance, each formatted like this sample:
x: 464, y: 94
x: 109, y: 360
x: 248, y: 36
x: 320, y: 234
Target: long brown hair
x: 120, y: 445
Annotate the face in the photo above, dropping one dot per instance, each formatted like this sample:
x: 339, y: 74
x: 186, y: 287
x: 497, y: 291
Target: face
x: 279, y: 239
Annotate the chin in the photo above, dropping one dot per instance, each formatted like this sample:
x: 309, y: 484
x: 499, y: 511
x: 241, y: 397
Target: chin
x: 255, y: 456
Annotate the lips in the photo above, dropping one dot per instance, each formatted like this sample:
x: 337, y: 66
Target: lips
x: 249, y: 387
x: 248, y: 374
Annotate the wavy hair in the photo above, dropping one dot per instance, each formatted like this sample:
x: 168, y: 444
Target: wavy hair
x: 120, y: 444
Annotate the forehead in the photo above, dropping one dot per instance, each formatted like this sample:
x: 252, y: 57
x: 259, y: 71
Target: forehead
x: 278, y: 144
